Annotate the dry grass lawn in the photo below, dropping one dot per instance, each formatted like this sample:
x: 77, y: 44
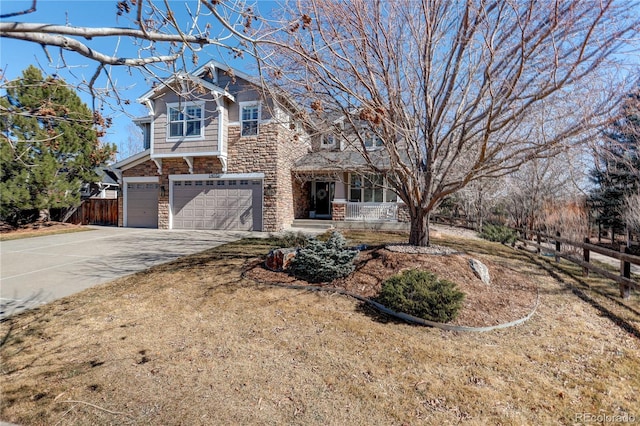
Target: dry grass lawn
x: 38, y: 229
x: 193, y: 342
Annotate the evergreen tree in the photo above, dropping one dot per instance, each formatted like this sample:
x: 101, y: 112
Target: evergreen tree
x: 324, y: 261
x: 50, y: 146
x: 617, y: 172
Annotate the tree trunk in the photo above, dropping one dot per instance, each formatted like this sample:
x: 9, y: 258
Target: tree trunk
x: 44, y: 215
x: 419, y: 233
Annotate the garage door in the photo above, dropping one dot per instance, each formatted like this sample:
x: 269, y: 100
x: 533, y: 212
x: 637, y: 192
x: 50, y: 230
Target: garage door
x: 142, y: 205
x: 217, y: 204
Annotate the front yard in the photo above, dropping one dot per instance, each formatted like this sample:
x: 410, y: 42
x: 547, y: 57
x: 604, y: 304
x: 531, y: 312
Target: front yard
x: 196, y: 342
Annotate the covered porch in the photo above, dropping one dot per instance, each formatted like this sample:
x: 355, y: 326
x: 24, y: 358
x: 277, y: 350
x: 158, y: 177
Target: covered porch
x: 341, y: 187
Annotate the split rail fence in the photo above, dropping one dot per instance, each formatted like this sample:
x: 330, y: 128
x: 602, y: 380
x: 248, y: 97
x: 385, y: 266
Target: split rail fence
x: 624, y: 279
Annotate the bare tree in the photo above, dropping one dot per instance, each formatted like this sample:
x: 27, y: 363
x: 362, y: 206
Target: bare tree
x: 543, y: 182
x: 152, y: 39
x: 632, y: 212
x: 479, y: 198
x: 132, y: 144
x: 455, y: 90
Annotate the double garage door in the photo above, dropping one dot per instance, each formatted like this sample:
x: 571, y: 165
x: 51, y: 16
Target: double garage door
x: 224, y: 204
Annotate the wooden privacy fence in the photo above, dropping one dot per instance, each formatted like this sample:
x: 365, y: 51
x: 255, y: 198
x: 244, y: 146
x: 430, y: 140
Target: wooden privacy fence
x: 96, y: 211
x: 626, y: 259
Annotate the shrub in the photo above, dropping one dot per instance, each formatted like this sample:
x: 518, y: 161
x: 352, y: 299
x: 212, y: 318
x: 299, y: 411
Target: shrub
x: 290, y: 239
x: 423, y: 295
x: 499, y: 233
x: 324, y: 261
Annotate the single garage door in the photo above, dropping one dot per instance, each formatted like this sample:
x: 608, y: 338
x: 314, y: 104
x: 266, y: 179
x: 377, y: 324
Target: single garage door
x: 217, y: 204
x: 142, y: 205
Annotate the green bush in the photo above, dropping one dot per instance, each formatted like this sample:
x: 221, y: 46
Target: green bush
x: 324, y: 261
x: 499, y: 233
x: 423, y: 295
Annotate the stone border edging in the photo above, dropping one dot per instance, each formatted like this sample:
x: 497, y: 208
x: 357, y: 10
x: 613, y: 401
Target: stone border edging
x: 406, y: 317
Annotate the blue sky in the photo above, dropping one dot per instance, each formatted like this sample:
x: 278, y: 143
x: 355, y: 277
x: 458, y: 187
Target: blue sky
x: 16, y: 55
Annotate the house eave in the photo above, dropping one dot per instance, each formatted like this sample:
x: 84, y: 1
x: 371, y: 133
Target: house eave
x: 133, y: 160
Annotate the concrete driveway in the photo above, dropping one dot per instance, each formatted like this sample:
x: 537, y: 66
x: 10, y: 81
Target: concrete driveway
x: 38, y: 270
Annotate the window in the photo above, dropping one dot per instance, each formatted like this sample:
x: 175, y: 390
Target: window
x: 369, y: 188
x: 329, y: 140
x: 371, y: 140
x: 185, y: 120
x: 146, y: 135
x: 249, y: 117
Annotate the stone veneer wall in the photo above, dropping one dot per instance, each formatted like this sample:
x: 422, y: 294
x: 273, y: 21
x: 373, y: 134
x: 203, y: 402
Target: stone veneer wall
x: 291, y: 147
x: 120, y: 208
x: 301, y: 198
x: 339, y: 210
x: 272, y: 152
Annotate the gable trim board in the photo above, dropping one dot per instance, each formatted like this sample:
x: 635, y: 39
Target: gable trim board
x: 188, y: 154
x: 227, y: 201
x: 140, y: 210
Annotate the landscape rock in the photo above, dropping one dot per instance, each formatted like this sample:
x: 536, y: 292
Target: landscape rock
x: 280, y: 259
x: 480, y: 270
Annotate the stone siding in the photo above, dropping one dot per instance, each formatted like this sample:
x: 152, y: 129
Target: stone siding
x: 339, y: 211
x: 301, y: 198
x: 271, y: 152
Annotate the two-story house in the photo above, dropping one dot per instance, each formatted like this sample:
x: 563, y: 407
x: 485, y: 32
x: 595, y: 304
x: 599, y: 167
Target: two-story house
x: 219, y: 156
x: 221, y: 153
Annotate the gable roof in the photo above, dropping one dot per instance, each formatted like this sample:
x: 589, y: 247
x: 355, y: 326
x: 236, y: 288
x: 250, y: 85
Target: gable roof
x: 133, y: 160
x: 179, y: 76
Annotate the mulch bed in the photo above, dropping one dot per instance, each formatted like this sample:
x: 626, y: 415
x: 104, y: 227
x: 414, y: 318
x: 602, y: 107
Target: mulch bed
x: 509, y: 297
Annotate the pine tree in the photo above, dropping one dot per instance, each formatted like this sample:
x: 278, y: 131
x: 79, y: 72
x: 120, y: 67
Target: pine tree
x: 617, y: 173
x: 50, y: 146
x: 324, y: 261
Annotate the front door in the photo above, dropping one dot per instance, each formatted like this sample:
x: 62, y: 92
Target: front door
x: 323, y: 196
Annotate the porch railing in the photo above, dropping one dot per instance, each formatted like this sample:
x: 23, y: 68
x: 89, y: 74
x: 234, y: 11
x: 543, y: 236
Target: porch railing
x: 372, y: 211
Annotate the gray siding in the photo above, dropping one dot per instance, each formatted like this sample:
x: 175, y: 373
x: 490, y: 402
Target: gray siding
x: 186, y: 145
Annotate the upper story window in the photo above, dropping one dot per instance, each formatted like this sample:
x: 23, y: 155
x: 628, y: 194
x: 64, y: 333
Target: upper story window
x: 185, y: 120
x: 372, y: 141
x: 329, y: 140
x: 146, y: 134
x: 249, y: 118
